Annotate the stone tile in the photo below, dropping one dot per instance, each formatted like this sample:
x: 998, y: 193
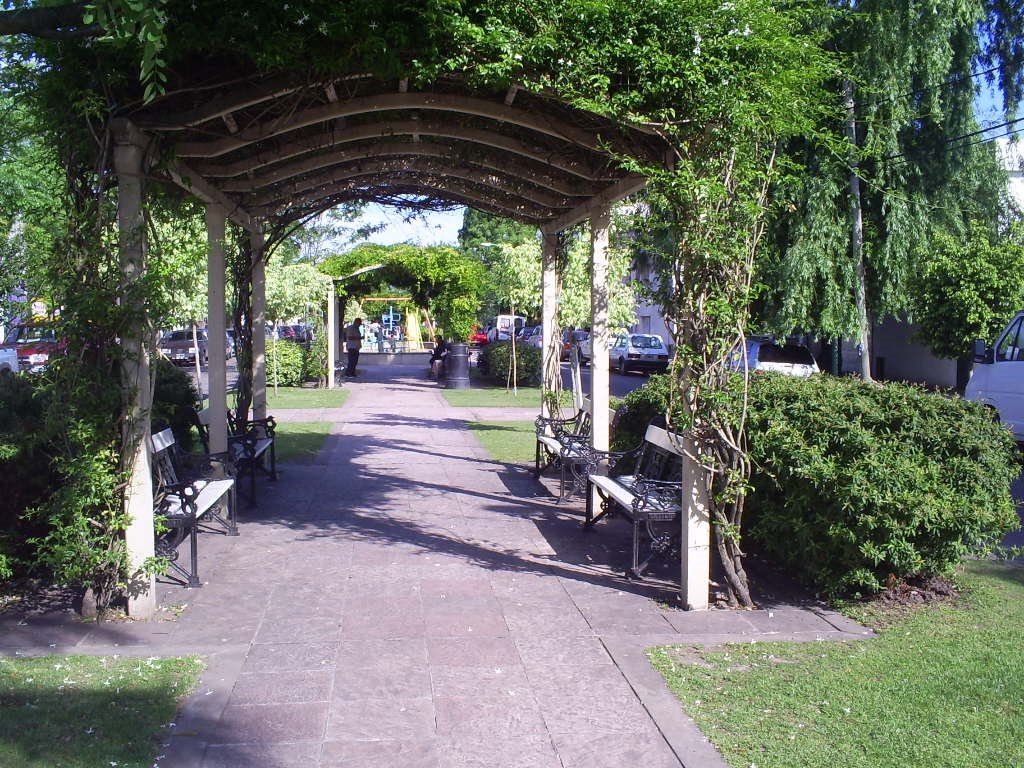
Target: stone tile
x: 542, y: 619
x: 595, y: 714
x: 710, y: 622
x: 577, y: 652
x: 508, y: 713
x: 472, y: 652
x: 419, y: 753
x: 280, y: 755
x: 290, y: 657
x: 380, y: 719
x: 310, y: 629
x: 404, y: 680
x: 458, y: 621
x: 499, y: 751
x: 614, y: 750
x: 462, y: 682
x: 282, y: 687
x: 375, y: 652
x: 788, y: 621
x: 271, y: 723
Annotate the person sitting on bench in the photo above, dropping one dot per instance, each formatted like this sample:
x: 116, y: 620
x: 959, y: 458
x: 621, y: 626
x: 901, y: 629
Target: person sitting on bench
x: 437, y: 357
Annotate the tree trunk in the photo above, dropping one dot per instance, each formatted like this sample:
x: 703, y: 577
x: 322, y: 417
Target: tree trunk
x: 857, y: 233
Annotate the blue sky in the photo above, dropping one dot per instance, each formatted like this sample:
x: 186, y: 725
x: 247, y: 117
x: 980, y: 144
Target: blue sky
x: 441, y: 228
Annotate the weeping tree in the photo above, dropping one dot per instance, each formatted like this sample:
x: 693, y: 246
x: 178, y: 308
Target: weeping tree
x: 902, y: 161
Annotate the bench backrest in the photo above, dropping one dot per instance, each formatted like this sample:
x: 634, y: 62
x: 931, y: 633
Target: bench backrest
x: 164, y: 466
x: 660, y: 459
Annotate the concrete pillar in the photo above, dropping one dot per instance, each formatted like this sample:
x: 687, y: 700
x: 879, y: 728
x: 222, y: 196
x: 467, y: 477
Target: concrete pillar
x: 259, y: 323
x: 696, y: 537
x: 600, y: 221
x: 139, y: 535
x: 551, y: 375
x: 216, y: 221
x: 332, y: 335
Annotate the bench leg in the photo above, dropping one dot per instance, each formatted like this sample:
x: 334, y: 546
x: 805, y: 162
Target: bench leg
x: 232, y: 517
x: 193, y: 542
x: 273, y: 461
x: 635, y: 571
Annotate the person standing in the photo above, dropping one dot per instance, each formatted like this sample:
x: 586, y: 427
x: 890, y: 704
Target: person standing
x: 353, y: 343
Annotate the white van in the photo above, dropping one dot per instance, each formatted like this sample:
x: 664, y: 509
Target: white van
x: 504, y: 326
x: 998, y: 377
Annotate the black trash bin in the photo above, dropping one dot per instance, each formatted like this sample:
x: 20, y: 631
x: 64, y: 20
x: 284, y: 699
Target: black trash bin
x: 457, y: 365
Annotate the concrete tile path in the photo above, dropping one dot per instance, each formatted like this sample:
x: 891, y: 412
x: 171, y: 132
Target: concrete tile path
x: 404, y: 601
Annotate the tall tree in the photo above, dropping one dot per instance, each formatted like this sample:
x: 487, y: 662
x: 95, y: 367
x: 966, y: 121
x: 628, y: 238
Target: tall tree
x: 904, y: 163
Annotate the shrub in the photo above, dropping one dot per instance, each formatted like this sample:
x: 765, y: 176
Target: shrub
x: 288, y: 366
x: 314, y: 360
x: 497, y: 360
x: 856, y: 483
x: 174, y: 393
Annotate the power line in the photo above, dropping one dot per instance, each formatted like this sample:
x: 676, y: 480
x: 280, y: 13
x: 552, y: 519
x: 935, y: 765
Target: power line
x: 954, y: 139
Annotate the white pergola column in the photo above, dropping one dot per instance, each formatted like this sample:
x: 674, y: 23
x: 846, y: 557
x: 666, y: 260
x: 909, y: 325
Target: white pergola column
x: 550, y: 289
x: 332, y: 335
x: 696, y: 536
x: 600, y: 221
x: 139, y: 536
x: 216, y: 221
x: 259, y: 325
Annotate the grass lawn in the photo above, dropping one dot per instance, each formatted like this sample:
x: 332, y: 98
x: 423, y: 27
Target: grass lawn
x: 941, y: 686
x: 487, y: 396
x: 300, y: 441
x: 298, y: 397
x: 511, y: 442
x: 88, y: 711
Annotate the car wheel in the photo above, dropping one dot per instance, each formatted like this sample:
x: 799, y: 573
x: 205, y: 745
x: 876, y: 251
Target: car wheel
x: 622, y: 366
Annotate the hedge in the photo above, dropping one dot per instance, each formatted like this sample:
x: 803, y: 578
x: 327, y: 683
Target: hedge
x: 289, y: 365
x: 856, y: 484
x: 495, y: 361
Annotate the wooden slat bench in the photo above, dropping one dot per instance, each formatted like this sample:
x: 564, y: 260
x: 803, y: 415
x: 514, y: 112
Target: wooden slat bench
x: 650, y: 497
x: 250, y: 445
x: 186, y: 496
x: 564, y: 442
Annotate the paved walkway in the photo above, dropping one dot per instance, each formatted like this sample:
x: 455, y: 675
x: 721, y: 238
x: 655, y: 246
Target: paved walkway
x: 404, y: 601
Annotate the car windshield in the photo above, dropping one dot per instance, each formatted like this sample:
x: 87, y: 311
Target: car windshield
x: 180, y: 336
x: 30, y: 334
x: 646, y: 342
x: 790, y: 354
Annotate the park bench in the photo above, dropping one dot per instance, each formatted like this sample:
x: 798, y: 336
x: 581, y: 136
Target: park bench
x: 565, y: 443
x: 649, y: 495
x: 250, y: 446
x: 189, y: 489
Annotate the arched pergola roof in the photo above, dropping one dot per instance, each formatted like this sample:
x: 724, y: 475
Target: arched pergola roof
x: 272, y: 150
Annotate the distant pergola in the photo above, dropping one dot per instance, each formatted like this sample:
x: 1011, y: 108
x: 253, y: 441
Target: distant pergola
x: 266, y: 152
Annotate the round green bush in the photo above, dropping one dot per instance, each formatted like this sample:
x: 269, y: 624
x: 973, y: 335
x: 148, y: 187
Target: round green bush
x: 497, y: 360
x: 854, y: 484
x: 314, y: 361
x: 174, y: 393
x: 857, y: 484
x: 284, y: 363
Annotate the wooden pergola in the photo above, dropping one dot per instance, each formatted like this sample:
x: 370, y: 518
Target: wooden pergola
x: 268, y: 151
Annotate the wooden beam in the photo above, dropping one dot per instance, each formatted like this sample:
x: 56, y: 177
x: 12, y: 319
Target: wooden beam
x: 508, y: 165
x: 291, y: 207
x: 192, y: 182
x: 465, y: 105
x: 229, y: 121
x: 628, y: 186
x: 387, y: 129
x: 385, y: 167
x: 403, y: 85
x: 510, y: 95
x: 331, y: 93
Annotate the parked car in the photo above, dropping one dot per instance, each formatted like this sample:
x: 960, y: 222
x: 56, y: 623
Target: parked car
x: 998, y: 376
x: 638, y: 352
x: 504, y: 326
x: 178, y: 346
x: 478, y: 335
x: 34, y: 344
x: 534, y: 336
x: 8, y: 361
x: 572, y: 341
x: 765, y: 354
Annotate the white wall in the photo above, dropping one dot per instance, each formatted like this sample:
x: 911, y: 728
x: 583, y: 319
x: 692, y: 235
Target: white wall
x: 1012, y: 156
x: 908, y: 360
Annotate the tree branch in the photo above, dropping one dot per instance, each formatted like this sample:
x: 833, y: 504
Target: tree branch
x: 52, y: 21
